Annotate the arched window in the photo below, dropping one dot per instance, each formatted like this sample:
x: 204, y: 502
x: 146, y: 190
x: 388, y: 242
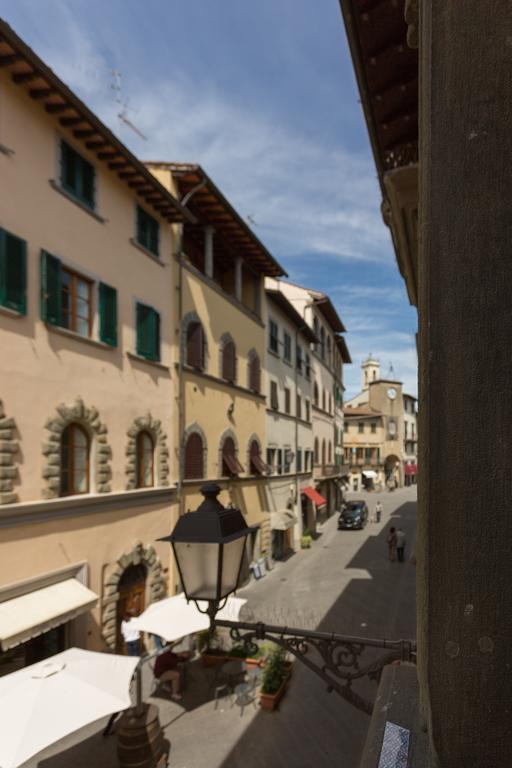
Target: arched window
x: 322, y: 342
x: 330, y: 452
x: 315, y: 394
x: 194, y: 457
x: 256, y: 464
x: 229, y: 361
x: 317, y: 456
x: 323, y: 399
x: 74, y: 477
x: 230, y: 464
x: 323, y: 452
x: 254, y: 373
x: 145, y: 460
x: 195, y: 345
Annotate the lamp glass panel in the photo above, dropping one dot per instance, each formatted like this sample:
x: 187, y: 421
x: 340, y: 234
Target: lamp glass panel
x: 198, y: 564
x: 232, y: 558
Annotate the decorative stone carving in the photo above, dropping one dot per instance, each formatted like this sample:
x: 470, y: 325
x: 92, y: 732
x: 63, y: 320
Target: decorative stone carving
x: 412, y: 14
x: 155, y: 586
x: 88, y: 418
x: 8, y: 449
x: 161, y: 457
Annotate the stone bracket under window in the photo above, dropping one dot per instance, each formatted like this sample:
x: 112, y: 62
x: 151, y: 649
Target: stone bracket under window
x: 8, y: 449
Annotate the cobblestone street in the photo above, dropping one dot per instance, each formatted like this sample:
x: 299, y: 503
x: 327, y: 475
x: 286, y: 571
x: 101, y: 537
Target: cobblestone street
x: 344, y: 584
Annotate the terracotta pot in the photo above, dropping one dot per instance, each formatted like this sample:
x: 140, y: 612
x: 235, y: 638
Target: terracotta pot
x: 214, y: 659
x: 271, y: 701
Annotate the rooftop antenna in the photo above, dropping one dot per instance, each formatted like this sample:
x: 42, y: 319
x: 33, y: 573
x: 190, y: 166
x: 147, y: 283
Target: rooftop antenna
x: 251, y: 219
x: 117, y: 87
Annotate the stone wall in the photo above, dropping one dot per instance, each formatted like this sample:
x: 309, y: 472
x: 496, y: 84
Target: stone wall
x: 8, y: 449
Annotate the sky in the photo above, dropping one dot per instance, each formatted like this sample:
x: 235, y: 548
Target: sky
x: 262, y: 95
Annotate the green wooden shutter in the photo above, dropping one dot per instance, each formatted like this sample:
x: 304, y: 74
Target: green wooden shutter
x: 51, y: 287
x: 148, y: 332
x: 156, y: 335
x: 108, y: 314
x: 88, y: 182
x: 13, y: 272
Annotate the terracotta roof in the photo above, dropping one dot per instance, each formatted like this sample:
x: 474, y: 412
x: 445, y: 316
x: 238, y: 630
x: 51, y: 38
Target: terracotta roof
x: 343, y: 349
x: 361, y: 410
x: 42, y: 84
x: 209, y: 206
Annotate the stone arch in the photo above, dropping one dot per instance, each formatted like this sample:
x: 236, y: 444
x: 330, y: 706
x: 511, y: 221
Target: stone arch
x: 9, y: 447
x: 196, y: 429
x: 101, y: 453
x: 155, y: 586
x: 225, y: 339
x: 193, y: 317
x: 253, y: 439
x: 161, y: 458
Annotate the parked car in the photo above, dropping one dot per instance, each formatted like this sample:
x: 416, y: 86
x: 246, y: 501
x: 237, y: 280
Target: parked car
x: 353, y: 515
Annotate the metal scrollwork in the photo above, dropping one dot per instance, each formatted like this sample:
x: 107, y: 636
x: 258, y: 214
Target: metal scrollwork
x: 337, y: 659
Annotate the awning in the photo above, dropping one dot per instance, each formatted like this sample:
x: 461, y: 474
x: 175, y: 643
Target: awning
x: 370, y: 474
x: 411, y: 469
x: 282, y: 520
x: 29, y: 615
x: 315, y: 497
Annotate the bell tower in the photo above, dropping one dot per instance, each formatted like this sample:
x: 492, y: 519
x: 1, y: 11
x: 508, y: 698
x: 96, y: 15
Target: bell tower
x: 370, y: 371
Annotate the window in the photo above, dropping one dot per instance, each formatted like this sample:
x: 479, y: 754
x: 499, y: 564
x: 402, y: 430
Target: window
x: 229, y: 361
x: 345, y: 426
x: 298, y: 357
x: 76, y: 311
x: 287, y: 460
x: 194, y: 457
x: 145, y: 449
x: 274, y: 400
x: 329, y: 452
x: 108, y: 314
x: 316, y: 332
x: 308, y: 410
x: 195, y: 345
x: 148, y: 332
x: 298, y: 412
x: 323, y: 400
x: 299, y: 460
x: 279, y: 458
x: 273, y: 339
x: 270, y: 459
x: 322, y: 343
x: 308, y: 366
x: 287, y: 407
x: 315, y: 394
x: 330, y: 403
x: 77, y: 176
x: 323, y: 452
x: 256, y: 463
x: 368, y: 454
x: 147, y: 233
x: 373, y: 427
x: 287, y: 348
x: 360, y: 427
x: 317, y: 453
x: 13, y: 272
x: 329, y: 350
x: 74, y: 476
x: 254, y: 378
x: 230, y: 464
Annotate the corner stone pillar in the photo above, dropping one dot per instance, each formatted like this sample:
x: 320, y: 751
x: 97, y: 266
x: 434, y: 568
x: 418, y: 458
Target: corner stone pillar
x: 465, y: 347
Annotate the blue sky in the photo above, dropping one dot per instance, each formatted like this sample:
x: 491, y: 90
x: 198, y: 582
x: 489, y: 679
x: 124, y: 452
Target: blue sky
x: 263, y: 96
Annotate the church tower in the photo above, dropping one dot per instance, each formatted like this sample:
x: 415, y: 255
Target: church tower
x: 370, y: 372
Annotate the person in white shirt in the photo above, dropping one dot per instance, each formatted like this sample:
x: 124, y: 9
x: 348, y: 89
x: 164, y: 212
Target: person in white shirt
x: 400, y: 544
x: 378, y: 512
x: 130, y: 634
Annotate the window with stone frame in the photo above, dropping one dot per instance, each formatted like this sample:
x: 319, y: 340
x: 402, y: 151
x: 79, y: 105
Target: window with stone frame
x: 145, y: 460
x: 287, y: 404
x: 194, y: 457
x: 315, y: 394
x: 273, y: 337
x: 75, y: 452
x: 298, y: 407
x: 195, y: 345
x: 229, y: 361
x: 287, y: 348
x: 230, y: 465
x: 308, y: 410
x: 256, y: 464
x: 254, y: 373
x: 271, y: 455
x: 317, y: 452
x: 323, y: 452
x: 274, y: 399
x: 360, y: 427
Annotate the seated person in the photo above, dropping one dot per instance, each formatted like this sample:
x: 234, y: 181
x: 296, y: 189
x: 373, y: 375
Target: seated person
x: 167, y: 672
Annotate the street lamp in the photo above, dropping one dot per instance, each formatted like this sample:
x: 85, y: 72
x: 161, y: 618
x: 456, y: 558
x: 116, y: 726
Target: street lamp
x: 209, y: 547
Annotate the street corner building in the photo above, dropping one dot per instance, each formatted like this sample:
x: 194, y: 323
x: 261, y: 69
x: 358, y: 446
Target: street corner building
x: 87, y: 411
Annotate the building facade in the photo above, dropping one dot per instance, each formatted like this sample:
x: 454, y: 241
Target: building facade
x: 289, y: 428
x: 87, y: 467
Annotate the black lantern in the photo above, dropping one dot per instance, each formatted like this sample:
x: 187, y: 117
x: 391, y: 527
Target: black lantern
x: 209, y: 547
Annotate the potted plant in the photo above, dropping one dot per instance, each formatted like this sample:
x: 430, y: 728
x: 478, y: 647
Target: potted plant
x: 256, y: 659
x: 210, y: 648
x: 276, y: 674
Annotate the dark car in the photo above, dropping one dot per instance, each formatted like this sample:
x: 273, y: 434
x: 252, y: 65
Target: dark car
x: 353, y: 515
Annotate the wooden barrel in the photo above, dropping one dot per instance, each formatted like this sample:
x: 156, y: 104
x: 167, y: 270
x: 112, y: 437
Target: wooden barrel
x: 140, y: 739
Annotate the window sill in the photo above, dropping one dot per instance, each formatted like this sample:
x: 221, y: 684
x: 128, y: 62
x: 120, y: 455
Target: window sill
x: 78, y: 337
x: 57, y: 187
x: 149, y: 253
x: 210, y: 377
x: 11, y: 312
x: 155, y: 363
x: 274, y: 354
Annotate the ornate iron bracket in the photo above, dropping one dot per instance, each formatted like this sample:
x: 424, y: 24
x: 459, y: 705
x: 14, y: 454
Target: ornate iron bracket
x: 334, y: 658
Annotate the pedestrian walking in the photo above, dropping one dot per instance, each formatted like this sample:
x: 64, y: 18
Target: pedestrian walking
x: 131, y: 634
x: 392, y: 544
x: 400, y: 544
x: 378, y: 512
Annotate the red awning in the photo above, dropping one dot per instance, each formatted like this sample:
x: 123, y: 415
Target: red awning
x: 315, y: 497
x: 411, y: 469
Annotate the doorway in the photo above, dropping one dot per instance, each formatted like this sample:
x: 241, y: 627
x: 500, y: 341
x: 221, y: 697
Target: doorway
x: 132, y: 598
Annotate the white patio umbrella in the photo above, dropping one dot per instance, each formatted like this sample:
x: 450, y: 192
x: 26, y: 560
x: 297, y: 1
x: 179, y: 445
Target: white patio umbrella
x: 43, y: 703
x: 174, y: 618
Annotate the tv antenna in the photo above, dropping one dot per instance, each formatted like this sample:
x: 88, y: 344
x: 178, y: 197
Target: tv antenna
x: 251, y: 219
x: 117, y: 87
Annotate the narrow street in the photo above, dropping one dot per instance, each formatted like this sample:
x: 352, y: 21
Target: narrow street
x: 344, y: 583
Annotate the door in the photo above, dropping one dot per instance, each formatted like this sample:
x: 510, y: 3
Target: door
x: 132, y: 598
